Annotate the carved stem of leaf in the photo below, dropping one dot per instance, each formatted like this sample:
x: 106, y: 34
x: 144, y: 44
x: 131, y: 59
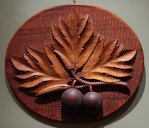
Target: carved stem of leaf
x: 88, y: 83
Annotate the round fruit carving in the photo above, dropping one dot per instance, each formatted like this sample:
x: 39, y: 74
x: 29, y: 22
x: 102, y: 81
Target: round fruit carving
x: 72, y: 100
x: 92, y: 102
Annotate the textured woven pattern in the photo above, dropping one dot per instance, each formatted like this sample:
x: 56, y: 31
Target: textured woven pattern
x: 37, y: 31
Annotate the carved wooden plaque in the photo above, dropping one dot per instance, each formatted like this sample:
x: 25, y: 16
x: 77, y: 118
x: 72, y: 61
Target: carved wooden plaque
x: 74, y: 46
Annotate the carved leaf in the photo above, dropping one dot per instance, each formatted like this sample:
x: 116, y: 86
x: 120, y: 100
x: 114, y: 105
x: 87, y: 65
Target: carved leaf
x: 107, y: 63
x: 38, y: 68
x: 74, y: 40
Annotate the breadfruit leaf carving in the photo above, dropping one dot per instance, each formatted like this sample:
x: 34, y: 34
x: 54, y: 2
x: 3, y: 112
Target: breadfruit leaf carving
x: 38, y: 68
x: 75, y: 54
x: 76, y: 38
x: 107, y: 63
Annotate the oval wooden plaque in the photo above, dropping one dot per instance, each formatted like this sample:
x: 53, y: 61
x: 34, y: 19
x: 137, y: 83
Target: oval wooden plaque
x: 36, y: 32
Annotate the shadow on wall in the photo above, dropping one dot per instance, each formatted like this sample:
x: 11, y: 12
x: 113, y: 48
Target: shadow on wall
x: 97, y: 124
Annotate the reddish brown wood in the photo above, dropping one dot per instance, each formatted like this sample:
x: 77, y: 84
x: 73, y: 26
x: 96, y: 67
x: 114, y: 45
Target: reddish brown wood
x: 36, y: 32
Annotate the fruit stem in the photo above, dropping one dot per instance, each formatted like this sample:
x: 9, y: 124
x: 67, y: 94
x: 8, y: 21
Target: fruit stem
x: 90, y: 88
x: 73, y: 83
x: 88, y: 83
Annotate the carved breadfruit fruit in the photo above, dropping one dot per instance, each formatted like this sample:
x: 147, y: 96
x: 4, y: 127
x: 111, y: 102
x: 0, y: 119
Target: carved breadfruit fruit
x: 75, y: 55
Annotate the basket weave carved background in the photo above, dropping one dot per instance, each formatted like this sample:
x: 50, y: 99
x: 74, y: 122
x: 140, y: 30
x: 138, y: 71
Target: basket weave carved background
x: 36, y: 32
